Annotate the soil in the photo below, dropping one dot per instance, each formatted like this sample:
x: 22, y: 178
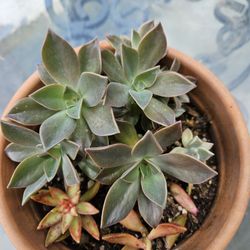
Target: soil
x: 203, y: 195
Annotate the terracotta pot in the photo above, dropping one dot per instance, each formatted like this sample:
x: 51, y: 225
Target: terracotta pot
x: 232, y: 150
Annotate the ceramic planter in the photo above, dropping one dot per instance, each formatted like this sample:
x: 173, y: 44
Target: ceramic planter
x: 232, y: 151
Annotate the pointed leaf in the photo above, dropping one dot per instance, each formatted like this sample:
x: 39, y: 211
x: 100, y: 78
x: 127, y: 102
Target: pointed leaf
x: 164, y: 230
x: 146, y: 146
x: 50, y: 219
x: 112, y: 67
x: 149, y: 53
x: 184, y: 167
x: 56, y: 128
x: 175, y: 66
x: 149, y: 211
x: 86, y: 208
x: 110, y: 156
x: 117, y: 95
x: 168, y: 135
x: 204, y: 154
x: 92, y: 87
x: 54, y: 233
x: 101, y: 121
x: 70, y: 148
x: 89, y: 224
x: 44, y: 197
x: 132, y: 174
x: 20, y: 135
x: 44, y: 75
x: 51, y: 97
x: 51, y: 167
x: 159, y: 112
x: 170, y: 84
x: 183, y: 198
x: 119, y: 201
x: 146, y: 27
x: 154, y: 185
x: 135, y: 39
x: 89, y: 168
x: 74, y: 193
x: 57, y: 194
x: 90, y: 57
x: 129, y: 59
x: 124, y: 239
x: 28, y: 112
x: 115, y: 41
x: 75, y: 111
x: 76, y: 229
x: 142, y: 98
x: 60, y: 60
x: 33, y: 188
x: 66, y: 222
x: 63, y: 237
x: 146, y: 79
x: 69, y: 172
x: 91, y: 192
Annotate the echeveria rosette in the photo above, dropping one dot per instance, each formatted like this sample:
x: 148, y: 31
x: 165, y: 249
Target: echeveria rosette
x: 71, y: 101
x: 70, y: 214
x: 36, y: 166
x: 137, y: 174
x: 135, y: 77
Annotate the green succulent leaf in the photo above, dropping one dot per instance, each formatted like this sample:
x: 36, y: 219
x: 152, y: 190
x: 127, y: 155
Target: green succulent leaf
x: 28, y: 172
x: 89, y: 168
x: 18, y: 152
x: 56, y: 152
x: 100, y: 120
x: 117, y: 95
x: 115, y: 41
x: 149, y: 211
x: 75, y: 111
x: 28, y: 112
x: 119, y: 201
x: 44, y: 75
x: 183, y: 167
x: 166, y: 136
x: 128, y: 134
x: 56, y: 128
x: 170, y: 84
x: 187, y: 137
x: 110, y: 156
x: 51, y: 167
x: 60, y: 60
x: 146, y: 27
x: 70, y: 148
x: 154, y: 185
x: 33, y: 188
x: 129, y: 59
x: 112, y: 67
x: 92, y: 87
x: 51, y: 97
x: 176, y: 65
x: 100, y: 141
x: 135, y: 39
x: 90, y: 57
x: 142, y: 98
x: 132, y: 174
x: 149, y: 53
x: 69, y: 172
x: 20, y: 135
x: 159, y: 112
x: 146, y: 79
x: 204, y: 154
x: 147, y: 146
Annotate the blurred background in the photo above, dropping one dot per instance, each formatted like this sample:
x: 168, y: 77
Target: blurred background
x: 215, y: 32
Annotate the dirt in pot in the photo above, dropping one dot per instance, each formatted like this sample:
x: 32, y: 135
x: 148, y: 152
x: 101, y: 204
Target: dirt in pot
x: 203, y: 196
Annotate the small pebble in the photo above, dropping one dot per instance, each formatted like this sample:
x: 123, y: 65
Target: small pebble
x: 170, y: 220
x: 184, y: 211
x: 102, y: 247
x: 179, y: 208
x: 195, y: 197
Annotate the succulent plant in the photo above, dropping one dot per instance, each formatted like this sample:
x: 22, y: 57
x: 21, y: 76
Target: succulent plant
x: 135, y: 77
x: 70, y: 105
x: 71, y: 213
x: 137, y: 174
x: 194, y: 146
x: 37, y: 166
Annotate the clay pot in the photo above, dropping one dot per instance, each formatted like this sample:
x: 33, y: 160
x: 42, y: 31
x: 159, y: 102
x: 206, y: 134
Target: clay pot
x: 232, y: 151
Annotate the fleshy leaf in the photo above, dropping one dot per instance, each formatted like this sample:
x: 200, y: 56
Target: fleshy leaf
x: 142, y: 98
x: 70, y: 148
x: 92, y: 87
x: 90, y: 57
x: 183, y: 198
x: 154, y: 185
x: 115, y: 41
x: 45, y: 77
x: 175, y: 66
x: 124, y: 239
x: 170, y: 84
x: 164, y: 230
x: 51, y: 167
x: 149, y: 211
x: 91, y: 192
x: 119, y: 201
x: 74, y: 193
x: 159, y: 112
x: 75, y: 111
x: 100, y: 120
x: 184, y: 167
x: 51, y: 97
x: 86, y: 208
x: 89, y: 168
x: 75, y: 229
x: 110, y: 156
x: 28, y: 112
x: 66, y: 221
x: 168, y: 135
x: 89, y: 224
x: 60, y: 60
x: 53, y: 234
x: 152, y: 47
x: 44, y: 197
x: 147, y: 146
x: 57, y: 194
x: 135, y: 39
x: 204, y: 154
x: 146, y: 27
x: 56, y: 128
x: 50, y: 219
x: 20, y: 135
x: 117, y: 95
